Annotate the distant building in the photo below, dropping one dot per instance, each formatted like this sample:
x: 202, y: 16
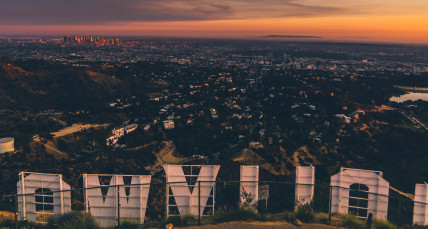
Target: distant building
x: 169, y: 124
x: 214, y: 113
x: 88, y: 39
x: 67, y: 39
x: 111, y: 140
x: 7, y: 145
x: 118, y: 132
x: 254, y: 144
x: 344, y: 117
x: 130, y: 128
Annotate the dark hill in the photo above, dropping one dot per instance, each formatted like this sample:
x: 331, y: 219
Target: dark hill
x: 60, y: 88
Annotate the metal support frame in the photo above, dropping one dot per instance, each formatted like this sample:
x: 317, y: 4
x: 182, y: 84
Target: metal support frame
x: 118, y: 205
x: 199, y: 203
x: 15, y: 199
x: 329, y: 205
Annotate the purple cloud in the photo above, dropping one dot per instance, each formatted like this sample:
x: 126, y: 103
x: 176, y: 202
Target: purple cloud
x: 66, y: 12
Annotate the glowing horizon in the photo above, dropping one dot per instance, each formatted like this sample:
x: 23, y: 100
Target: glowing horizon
x: 378, y: 21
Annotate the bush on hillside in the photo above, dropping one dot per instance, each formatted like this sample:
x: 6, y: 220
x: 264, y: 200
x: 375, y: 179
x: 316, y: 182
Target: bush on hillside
x: 382, y: 224
x: 21, y: 224
x: 72, y: 220
x: 289, y: 216
x: 351, y: 221
x: 305, y: 213
x: 236, y: 215
x: 128, y: 225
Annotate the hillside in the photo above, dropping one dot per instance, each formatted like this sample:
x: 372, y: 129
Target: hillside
x: 277, y: 129
x: 38, y: 98
x: 78, y: 88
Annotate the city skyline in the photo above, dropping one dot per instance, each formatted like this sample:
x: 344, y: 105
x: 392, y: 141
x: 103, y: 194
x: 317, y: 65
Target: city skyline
x: 374, y: 21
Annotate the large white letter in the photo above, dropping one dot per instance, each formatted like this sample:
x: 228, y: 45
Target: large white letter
x: 305, y: 185
x: 132, y: 198
x: 187, y: 201
x: 249, y: 188
x: 420, y: 211
x: 44, y: 199
x: 360, y: 192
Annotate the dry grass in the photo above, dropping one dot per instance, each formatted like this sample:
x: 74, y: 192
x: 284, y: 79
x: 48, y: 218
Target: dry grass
x: 5, y: 215
x: 76, y: 128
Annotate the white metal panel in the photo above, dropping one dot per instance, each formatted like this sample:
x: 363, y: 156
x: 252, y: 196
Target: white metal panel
x: 420, y: 210
x: 305, y: 185
x: 249, y: 177
x: 104, y: 208
x: 377, y: 202
x: 134, y: 205
x: 186, y: 201
x: 28, y: 184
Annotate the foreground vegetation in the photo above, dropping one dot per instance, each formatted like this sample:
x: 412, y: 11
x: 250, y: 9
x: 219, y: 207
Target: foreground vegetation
x: 302, y: 215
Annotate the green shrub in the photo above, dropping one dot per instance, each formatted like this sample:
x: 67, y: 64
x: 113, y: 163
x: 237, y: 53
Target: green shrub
x: 81, y: 225
x: 21, y: 224
x: 247, y: 199
x: 129, y: 225
x: 236, y: 215
x: 7, y: 224
x: 413, y: 227
x: 305, y: 213
x: 289, y: 216
x: 324, y: 220
x: 187, y: 218
x: 381, y: 224
x: 72, y: 220
x: 351, y: 221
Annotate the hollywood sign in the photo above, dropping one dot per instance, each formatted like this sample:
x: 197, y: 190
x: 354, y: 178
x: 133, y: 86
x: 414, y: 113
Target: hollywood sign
x: 189, y: 189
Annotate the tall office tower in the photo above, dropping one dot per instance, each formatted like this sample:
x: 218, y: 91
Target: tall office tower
x: 75, y: 38
x: 66, y: 39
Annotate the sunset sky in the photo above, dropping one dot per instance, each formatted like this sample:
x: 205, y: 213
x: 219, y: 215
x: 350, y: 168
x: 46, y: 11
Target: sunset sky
x: 374, y: 20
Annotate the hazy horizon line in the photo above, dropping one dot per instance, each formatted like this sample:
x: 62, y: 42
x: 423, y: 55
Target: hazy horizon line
x: 269, y: 37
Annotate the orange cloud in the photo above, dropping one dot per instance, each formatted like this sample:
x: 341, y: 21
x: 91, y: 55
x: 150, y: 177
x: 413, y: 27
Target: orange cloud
x: 402, y: 28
